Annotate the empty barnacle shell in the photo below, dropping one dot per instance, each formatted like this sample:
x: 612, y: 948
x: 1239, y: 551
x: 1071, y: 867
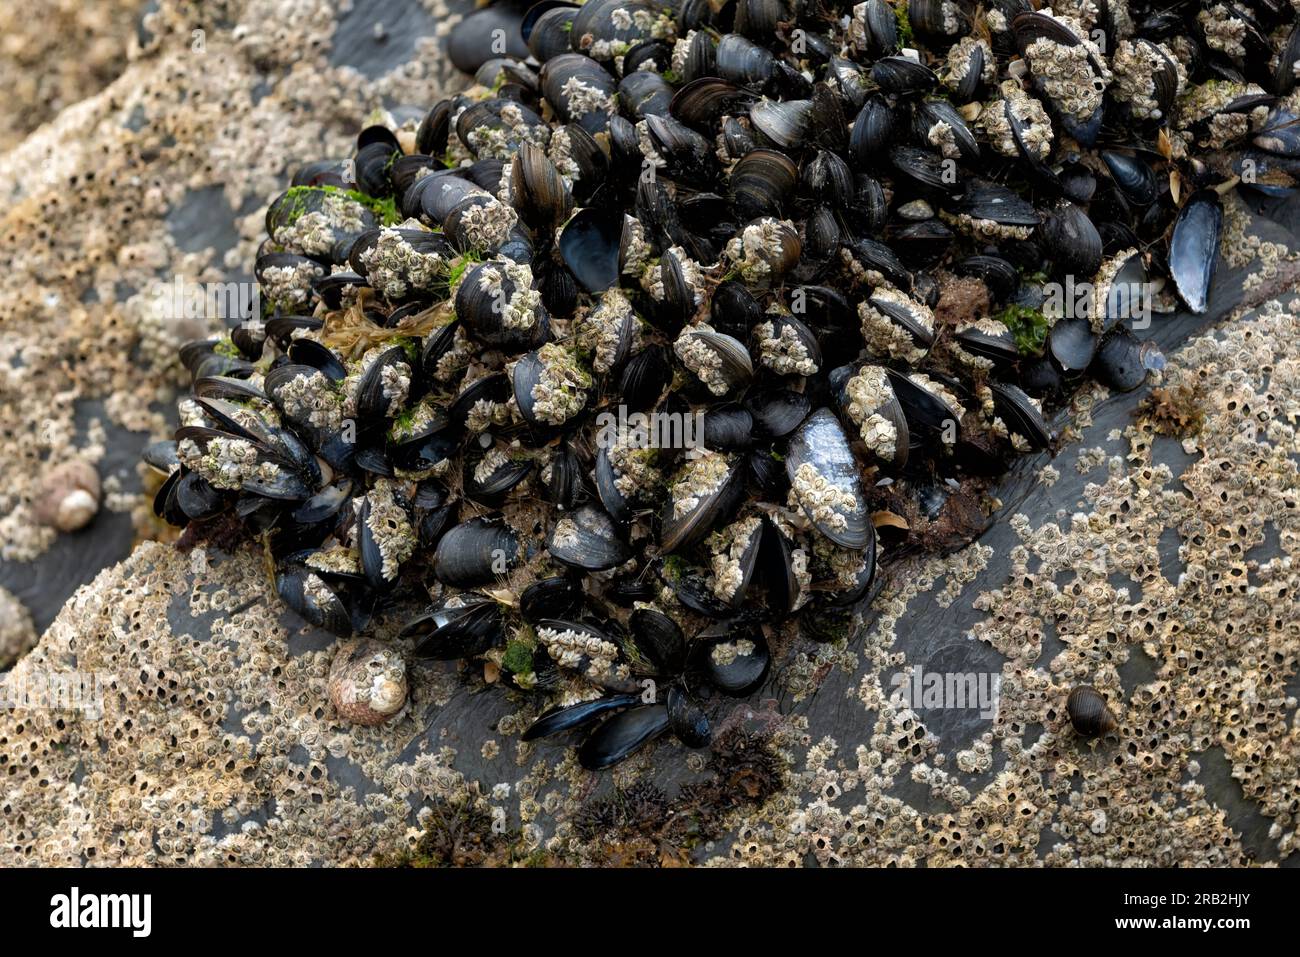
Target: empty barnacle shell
x: 825, y: 481
x: 1090, y: 716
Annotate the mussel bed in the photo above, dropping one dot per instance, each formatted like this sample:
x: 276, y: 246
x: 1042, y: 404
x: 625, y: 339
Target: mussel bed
x: 608, y: 363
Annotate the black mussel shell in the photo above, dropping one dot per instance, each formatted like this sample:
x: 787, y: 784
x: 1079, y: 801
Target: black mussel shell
x: 587, y: 540
x: 659, y: 639
x: 556, y: 597
x: 619, y: 737
x: 589, y: 245
x: 1072, y: 344
x: 1119, y: 363
x: 819, y: 454
x: 1020, y: 414
x: 560, y: 719
x: 475, y: 552
x: 735, y: 664
x: 462, y: 629
x: 314, y: 600
x: 687, y: 719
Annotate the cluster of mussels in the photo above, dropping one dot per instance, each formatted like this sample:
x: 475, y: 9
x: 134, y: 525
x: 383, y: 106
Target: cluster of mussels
x: 734, y: 215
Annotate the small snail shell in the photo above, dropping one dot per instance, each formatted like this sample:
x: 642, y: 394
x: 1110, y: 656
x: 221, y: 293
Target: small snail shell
x: 1088, y: 712
x: 367, y: 682
x: 68, y: 497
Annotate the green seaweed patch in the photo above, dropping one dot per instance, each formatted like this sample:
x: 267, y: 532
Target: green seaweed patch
x: 518, y: 658
x: 674, y: 567
x: 460, y: 266
x: 296, y: 199
x: 904, y: 24
x: 1028, y: 327
x: 227, y: 348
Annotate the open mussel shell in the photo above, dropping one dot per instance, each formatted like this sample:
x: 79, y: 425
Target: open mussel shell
x: 587, y: 539
x: 467, y: 626
x: 568, y: 718
x: 590, y: 244
x: 1194, y: 248
x: 687, y: 719
x: 617, y: 738
x: 311, y: 597
x: 826, y: 481
x: 735, y: 664
x: 704, y: 493
x: 1020, y: 414
x: 475, y: 552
